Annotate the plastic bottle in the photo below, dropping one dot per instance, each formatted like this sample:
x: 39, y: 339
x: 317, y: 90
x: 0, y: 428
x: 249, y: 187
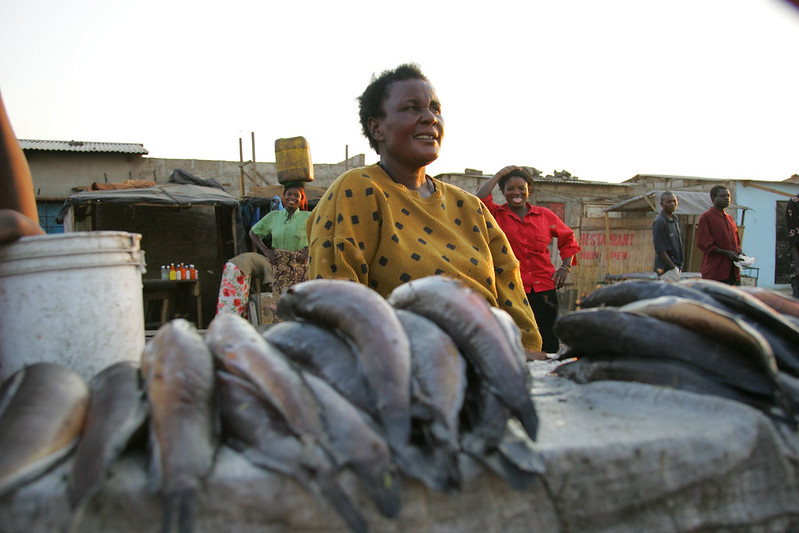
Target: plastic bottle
x: 192, y: 272
x: 172, y: 272
x: 184, y: 273
x: 164, y: 272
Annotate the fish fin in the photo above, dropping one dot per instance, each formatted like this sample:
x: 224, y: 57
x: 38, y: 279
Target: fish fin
x: 527, y: 416
x: 9, y: 387
x: 515, y: 477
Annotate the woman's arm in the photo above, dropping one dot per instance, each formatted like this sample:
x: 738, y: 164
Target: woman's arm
x: 486, y: 188
x: 259, y: 245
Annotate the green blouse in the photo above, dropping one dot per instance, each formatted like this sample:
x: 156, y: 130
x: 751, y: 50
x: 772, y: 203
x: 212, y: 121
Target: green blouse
x: 287, y: 233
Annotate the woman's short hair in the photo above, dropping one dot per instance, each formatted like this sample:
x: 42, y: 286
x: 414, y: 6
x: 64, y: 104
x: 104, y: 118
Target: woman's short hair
x: 516, y: 173
x: 370, y: 102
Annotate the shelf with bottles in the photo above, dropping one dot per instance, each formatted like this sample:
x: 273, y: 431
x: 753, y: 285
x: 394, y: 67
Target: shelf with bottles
x: 178, y: 272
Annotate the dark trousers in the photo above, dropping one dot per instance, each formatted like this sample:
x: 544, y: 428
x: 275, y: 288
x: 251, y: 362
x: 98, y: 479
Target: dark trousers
x: 545, y: 309
x: 795, y: 286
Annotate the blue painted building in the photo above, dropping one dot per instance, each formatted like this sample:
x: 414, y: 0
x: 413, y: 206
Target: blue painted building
x: 764, y: 235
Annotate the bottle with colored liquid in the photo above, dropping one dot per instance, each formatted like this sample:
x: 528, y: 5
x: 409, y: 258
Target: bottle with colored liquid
x: 172, y: 272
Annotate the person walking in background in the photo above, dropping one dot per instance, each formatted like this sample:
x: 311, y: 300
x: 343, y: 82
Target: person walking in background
x: 717, y: 238
x: 386, y: 224
x: 530, y: 229
x: 288, y: 251
x: 792, y: 219
x: 237, y: 277
x: 669, y: 256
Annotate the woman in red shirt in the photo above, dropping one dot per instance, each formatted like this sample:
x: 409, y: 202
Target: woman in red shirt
x: 530, y: 229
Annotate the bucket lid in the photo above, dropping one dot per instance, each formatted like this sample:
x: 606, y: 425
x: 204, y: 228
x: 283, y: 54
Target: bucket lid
x: 71, y: 250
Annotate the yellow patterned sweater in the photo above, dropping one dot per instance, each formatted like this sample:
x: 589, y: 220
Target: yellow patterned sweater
x: 369, y: 229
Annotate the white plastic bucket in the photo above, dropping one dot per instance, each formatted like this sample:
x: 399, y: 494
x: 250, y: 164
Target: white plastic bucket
x: 73, y: 299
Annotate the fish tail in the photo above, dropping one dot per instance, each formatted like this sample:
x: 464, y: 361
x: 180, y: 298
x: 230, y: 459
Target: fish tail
x: 342, y: 504
x: 179, y: 507
x: 186, y: 508
x: 528, y: 418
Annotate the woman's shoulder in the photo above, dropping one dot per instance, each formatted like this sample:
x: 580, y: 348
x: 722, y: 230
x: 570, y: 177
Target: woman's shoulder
x: 360, y: 176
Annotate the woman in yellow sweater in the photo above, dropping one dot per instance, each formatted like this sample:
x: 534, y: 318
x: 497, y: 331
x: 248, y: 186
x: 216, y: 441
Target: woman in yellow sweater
x: 385, y: 224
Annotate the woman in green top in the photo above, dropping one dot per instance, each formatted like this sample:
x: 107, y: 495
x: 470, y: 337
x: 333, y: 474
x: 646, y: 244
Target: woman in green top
x: 288, y: 252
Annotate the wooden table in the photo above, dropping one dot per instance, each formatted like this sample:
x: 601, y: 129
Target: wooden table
x: 172, y: 293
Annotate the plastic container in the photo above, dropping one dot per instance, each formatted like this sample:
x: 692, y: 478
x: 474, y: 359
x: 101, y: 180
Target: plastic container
x: 293, y: 160
x: 73, y: 299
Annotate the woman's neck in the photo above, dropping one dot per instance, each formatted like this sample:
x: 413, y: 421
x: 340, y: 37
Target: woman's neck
x: 412, y: 179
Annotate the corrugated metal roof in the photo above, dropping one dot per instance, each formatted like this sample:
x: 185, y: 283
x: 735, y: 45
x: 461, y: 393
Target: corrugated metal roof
x: 81, y: 146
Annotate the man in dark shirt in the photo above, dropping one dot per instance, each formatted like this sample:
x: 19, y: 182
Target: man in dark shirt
x: 717, y: 238
x: 666, y: 238
x: 792, y: 219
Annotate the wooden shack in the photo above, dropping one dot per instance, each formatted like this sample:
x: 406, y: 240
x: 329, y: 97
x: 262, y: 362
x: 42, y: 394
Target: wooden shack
x: 179, y: 223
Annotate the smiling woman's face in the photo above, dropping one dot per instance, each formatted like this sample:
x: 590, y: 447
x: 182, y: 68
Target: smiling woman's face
x: 516, y: 192
x: 411, y: 129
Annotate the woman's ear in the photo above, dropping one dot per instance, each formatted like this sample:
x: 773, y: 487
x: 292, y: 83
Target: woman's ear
x: 375, y: 129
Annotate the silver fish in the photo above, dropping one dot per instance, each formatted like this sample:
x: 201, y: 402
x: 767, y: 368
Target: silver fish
x: 326, y: 354
x: 372, y: 325
x: 611, y: 333
x: 358, y: 445
x: 439, y: 375
x: 242, y: 351
x: 468, y: 320
x: 257, y: 429
x: 180, y: 388
x: 780, y: 332
x: 117, y: 410
x: 45, y: 408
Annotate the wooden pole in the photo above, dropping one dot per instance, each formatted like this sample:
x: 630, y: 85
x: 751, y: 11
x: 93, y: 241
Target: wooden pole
x: 254, y: 169
x: 16, y: 182
x: 241, y: 170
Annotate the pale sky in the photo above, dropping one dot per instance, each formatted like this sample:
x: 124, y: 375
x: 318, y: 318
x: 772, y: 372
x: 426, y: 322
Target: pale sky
x: 605, y: 90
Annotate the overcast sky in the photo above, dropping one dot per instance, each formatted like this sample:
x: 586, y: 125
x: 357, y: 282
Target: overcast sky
x: 605, y: 90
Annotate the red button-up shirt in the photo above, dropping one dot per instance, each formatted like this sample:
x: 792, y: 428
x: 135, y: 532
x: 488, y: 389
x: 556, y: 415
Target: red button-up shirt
x: 717, y: 229
x: 529, y: 239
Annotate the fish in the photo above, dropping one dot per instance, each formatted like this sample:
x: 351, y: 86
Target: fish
x: 242, y: 351
x: 618, y: 294
x: 781, y: 303
x: 610, y: 332
x: 371, y: 323
x: 515, y: 459
x: 709, y: 321
x: 664, y: 373
x: 256, y: 428
x: 44, y: 411
x: 326, y: 354
x: 183, y: 432
x: 360, y: 446
x: 781, y: 333
x: 439, y: 375
x: 514, y: 335
x: 467, y: 318
x: 117, y: 410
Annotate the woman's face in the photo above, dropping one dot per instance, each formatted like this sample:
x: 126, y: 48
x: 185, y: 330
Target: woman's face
x: 516, y: 192
x: 291, y: 198
x: 411, y: 129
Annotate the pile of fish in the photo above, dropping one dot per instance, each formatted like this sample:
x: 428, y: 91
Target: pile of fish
x: 703, y: 336
x: 404, y: 386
